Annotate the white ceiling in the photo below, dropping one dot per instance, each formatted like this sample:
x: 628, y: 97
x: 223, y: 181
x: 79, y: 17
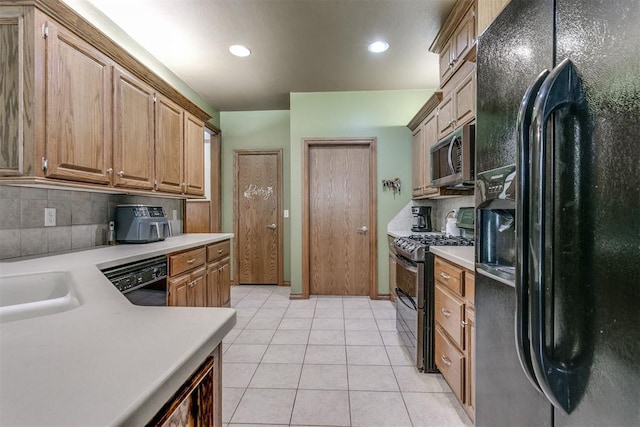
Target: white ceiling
x: 297, y: 45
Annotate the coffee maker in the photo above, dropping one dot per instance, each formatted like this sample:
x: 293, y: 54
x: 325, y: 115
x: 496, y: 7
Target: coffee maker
x: 422, y: 215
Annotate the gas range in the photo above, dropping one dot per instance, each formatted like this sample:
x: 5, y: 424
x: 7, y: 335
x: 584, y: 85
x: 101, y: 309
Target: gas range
x: 416, y: 246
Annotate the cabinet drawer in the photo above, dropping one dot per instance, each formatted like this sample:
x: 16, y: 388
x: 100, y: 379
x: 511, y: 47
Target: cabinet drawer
x: 450, y: 361
x: 218, y: 250
x: 449, y: 313
x: 469, y: 287
x: 449, y: 275
x: 185, y: 261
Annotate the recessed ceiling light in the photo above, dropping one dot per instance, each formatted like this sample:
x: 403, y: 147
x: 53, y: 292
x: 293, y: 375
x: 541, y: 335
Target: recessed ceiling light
x: 378, y: 46
x: 239, y: 50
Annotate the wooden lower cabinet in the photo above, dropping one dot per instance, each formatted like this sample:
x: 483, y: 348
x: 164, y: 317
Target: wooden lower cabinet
x: 200, y: 277
x: 219, y: 274
x: 199, y: 401
x: 455, y: 329
x: 189, y: 289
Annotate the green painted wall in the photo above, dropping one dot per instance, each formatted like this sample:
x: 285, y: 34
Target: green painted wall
x: 383, y: 114
x: 255, y: 130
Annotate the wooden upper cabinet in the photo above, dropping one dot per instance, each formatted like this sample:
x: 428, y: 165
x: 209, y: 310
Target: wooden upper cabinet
x: 465, y: 99
x: 11, y: 87
x: 459, y: 104
x: 78, y: 108
x: 430, y: 131
x: 446, y: 116
x: 487, y: 12
x: 417, y: 156
x: 464, y: 37
x: 193, y: 155
x: 456, y: 39
x: 133, y: 131
x: 169, y: 146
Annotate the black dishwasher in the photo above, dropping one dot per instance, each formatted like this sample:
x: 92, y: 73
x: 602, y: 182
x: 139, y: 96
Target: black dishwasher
x: 142, y: 282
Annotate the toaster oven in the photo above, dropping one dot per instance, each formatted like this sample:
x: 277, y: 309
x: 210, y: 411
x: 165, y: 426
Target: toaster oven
x: 453, y: 158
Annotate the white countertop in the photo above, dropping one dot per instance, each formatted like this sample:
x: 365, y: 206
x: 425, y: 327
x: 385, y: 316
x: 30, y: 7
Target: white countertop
x: 106, y: 362
x: 464, y: 256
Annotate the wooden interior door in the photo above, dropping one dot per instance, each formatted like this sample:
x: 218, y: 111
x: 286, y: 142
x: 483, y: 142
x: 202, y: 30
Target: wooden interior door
x: 339, y: 218
x: 258, y: 223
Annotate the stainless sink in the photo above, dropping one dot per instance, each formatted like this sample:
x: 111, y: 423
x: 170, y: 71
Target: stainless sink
x: 33, y: 295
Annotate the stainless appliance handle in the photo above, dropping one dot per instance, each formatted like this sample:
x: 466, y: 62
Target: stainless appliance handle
x: 560, y: 381
x: 406, y: 265
x: 523, y: 345
x: 400, y: 293
x: 450, y: 152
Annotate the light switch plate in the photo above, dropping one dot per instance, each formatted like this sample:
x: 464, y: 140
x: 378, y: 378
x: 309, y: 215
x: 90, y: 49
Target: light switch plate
x: 286, y: 213
x: 49, y: 217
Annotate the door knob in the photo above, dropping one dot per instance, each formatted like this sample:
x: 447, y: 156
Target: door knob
x: 363, y: 229
x: 271, y: 226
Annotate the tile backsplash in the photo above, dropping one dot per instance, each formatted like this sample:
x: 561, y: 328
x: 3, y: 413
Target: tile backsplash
x: 82, y: 219
x: 403, y: 221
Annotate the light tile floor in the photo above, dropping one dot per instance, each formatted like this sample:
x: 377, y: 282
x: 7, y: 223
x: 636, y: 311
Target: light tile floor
x: 325, y: 361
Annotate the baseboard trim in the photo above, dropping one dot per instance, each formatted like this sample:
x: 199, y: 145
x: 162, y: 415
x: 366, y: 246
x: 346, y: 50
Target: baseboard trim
x: 286, y: 283
x: 295, y: 296
x: 384, y: 296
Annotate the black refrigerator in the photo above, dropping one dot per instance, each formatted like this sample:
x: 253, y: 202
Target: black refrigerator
x: 558, y: 207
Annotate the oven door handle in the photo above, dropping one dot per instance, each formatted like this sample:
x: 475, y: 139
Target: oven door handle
x: 400, y: 294
x: 406, y: 265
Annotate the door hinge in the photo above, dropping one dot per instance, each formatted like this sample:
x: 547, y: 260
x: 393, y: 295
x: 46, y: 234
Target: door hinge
x: 45, y: 31
x: 44, y: 164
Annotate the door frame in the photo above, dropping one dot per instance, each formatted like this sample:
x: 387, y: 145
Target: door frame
x: 279, y: 216
x: 370, y: 143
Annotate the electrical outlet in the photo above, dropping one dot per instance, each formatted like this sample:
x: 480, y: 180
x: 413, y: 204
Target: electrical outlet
x: 49, y: 217
x: 286, y: 213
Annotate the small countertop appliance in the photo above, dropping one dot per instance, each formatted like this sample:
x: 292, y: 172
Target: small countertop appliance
x: 141, y: 224
x: 422, y: 215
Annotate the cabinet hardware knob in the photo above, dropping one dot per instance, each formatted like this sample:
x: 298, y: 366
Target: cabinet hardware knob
x: 121, y: 174
x: 463, y: 323
x: 445, y: 360
x: 445, y: 312
x: 191, y: 261
x: 445, y: 276
x: 219, y: 251
x: 110, y: 171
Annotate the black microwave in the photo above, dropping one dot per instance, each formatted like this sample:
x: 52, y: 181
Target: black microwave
x: 452, y: 159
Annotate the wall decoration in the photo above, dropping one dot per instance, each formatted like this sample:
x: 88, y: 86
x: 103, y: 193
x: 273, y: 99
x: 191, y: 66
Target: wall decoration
x: 255, y: 191
x: 392, y: 184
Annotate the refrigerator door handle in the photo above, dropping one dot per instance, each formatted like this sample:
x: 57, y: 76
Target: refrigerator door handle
x: 523, y: 125
x: 558, y: 380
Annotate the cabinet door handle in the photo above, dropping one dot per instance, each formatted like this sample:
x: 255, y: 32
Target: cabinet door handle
x: 445, y: 360
x: 445, y: 312
x: 271, y: 226
x: 444, y: 275
x: 121, y: 174
x: 219, y: 251
x: 191, y: 261
x: 463, y: 323
x: 110, y: 171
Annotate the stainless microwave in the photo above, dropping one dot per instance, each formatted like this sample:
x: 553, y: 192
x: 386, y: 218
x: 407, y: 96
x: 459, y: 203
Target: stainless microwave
x: 452, y: 159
